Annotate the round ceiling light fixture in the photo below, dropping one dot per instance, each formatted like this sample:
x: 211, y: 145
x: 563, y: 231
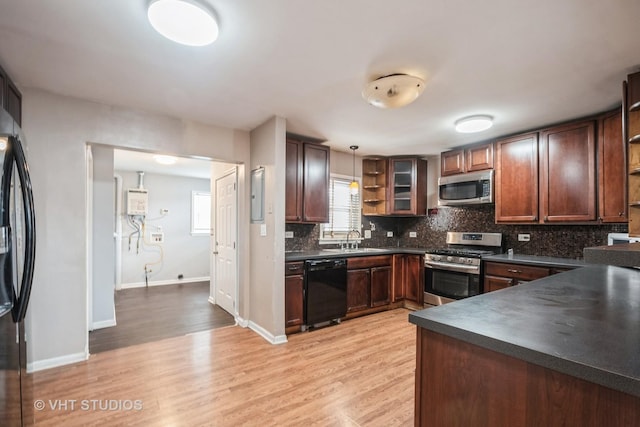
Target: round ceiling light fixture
x: 473, y: 124
x: 393, y: 91
x: 164, y: 159
x: 183, y: 21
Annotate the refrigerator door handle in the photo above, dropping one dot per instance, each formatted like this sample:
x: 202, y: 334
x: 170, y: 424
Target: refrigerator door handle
x: 29, y: 231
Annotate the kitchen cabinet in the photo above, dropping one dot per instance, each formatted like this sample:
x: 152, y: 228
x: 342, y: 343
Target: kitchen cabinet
x: 10, y: 97
x: 631, y: 133
x: 368, y: 282
x: 612, y: 169
x: 498, y: 275
x: 358, y: 289
x: 452, y: 162
x: 516, y: 179
x: 407, y: 186
x: 474, y: 158
x: 547, y: 177
x: 307, y: 182
x: 408, y: 278
x: 568, y: 173
x: 374, y: 186
x: 380, y: 286
x: 294, y: 293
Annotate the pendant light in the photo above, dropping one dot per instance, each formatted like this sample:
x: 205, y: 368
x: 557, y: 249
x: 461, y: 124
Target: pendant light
x: 354, y: 187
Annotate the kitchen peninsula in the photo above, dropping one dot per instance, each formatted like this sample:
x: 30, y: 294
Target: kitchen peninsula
x: 562, y: 350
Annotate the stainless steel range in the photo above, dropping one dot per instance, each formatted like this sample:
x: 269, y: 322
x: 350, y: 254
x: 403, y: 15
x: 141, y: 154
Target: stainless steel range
x: 454, y: 273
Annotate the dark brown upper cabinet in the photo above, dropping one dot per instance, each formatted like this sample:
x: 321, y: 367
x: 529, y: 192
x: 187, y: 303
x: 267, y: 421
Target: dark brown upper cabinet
x: 612, y: 169
x: 568, y: 173
x: 407, y: 186
x: 474, y: 158
x: 307, y: 182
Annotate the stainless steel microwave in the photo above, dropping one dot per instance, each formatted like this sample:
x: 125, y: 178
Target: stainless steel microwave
x: 473, y: 188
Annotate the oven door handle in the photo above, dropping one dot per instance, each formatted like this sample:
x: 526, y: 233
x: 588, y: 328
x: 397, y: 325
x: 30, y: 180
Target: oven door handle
x: 453, y: 267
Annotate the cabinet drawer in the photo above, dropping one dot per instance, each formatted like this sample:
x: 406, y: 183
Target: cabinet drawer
x: 517, y: 271
x: 368, y: 261
x: 293, y: 268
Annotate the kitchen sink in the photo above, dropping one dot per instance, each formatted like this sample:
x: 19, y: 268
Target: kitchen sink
x: 359, y: 250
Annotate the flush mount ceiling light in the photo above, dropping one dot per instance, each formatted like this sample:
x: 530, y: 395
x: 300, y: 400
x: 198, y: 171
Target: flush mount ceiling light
x: 393, y: 91
x: 183, y: 21
x: 473, y: 124
x: 164, y: 160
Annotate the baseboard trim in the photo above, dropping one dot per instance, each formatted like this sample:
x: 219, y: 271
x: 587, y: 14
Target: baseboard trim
x: 279, y: 339
x: 104, y: 324
x: 211, y: 300
x: 243, y: 323
x: 164, y: 282
x: 54, y: 362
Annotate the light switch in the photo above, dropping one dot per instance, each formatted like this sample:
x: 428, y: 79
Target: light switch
x: 389, y: 233
x: 263, y: 229
x: 367, y: 234
x: 288, y: 234
x: 413, y: 234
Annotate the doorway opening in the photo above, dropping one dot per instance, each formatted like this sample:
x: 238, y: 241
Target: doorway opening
x: 152, y: 252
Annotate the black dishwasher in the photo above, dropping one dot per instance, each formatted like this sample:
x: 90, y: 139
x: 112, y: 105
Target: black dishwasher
x: 325, y: 289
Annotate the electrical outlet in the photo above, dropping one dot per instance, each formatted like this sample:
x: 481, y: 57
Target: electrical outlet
x: 288, y: 234
x: 524, y: 237
x: 389, y: 233
x: 413, y: 234
x: 157, y: 237
x: 367, y: 234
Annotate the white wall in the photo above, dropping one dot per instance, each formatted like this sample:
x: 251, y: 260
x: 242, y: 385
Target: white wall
x: 267, y: 252
x: 58, y: 129
x: 182, y: 252
x: 103, y: 253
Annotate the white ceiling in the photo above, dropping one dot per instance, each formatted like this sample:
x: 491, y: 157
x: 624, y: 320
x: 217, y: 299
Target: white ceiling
x: 528, y: 63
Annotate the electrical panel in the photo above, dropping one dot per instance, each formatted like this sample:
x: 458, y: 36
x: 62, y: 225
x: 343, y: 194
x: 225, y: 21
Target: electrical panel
x: 137, y: 201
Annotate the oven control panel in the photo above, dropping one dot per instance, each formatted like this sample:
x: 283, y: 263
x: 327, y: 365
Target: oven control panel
x: 452, y: 259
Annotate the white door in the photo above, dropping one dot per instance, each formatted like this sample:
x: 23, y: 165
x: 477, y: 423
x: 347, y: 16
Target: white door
x: 225, y: 246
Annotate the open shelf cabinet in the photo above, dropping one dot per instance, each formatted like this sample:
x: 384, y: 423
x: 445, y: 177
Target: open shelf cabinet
x: 631, y: 100
x: 374, y: 186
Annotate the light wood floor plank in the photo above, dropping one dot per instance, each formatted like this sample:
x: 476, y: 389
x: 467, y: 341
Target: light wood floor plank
x: 357, y: 373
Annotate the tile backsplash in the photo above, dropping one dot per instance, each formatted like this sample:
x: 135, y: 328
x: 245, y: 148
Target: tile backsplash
x: 565, y: 241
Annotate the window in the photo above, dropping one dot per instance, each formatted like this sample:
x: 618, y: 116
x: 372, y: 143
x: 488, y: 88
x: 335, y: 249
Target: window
x: 200, y: 212
x: 344, y: 211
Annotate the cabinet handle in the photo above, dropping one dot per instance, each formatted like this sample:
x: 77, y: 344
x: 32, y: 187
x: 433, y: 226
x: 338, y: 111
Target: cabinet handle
x: 599, y: 219
x: 513, y: 270
x: 620, y: 213
x: 546, y: 218
x: 535, y: 218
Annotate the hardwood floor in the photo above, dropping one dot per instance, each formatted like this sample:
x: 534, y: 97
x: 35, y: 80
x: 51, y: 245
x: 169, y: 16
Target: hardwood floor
x: 159, y: 312
x: 357, y: 373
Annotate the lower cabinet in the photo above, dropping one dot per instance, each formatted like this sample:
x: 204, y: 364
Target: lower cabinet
x: 498, y: 275
x: 368, y: 282
x: 294, y: 293
x: 380, y: 286
x: 358, y: 289
x: 408, y: 278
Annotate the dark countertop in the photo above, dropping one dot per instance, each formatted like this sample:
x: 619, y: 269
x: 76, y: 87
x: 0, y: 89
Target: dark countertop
x: 333, y: 253
x: 584, y: 323
x: 546, y: 261
x: 624, y: 255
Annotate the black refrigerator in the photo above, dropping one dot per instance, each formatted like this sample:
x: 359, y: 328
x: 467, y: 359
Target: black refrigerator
x: 17, y: 256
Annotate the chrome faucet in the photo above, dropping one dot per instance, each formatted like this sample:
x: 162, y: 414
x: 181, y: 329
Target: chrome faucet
x: 355, y: 244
